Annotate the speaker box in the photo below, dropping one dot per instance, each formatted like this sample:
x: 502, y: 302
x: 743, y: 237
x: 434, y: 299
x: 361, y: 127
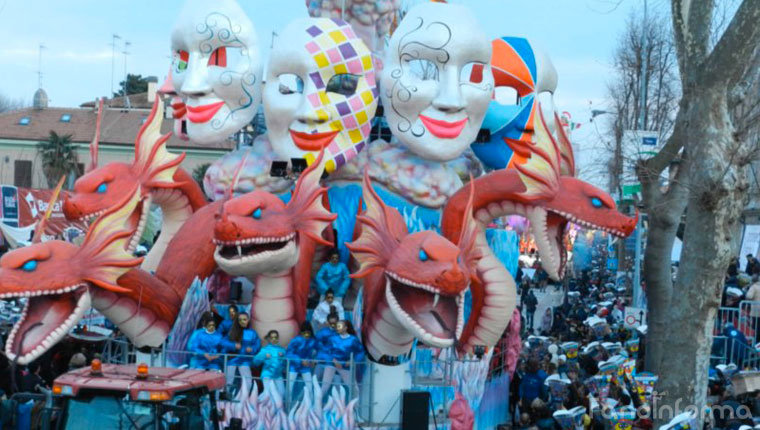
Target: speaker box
x: 236, y: 291
x: 415, y: 407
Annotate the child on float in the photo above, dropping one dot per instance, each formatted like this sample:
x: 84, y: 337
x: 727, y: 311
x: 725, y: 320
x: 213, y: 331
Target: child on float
x: 227, y: 323
x: 244, y: 343
x: 205, y: 343
x: 272, y: 359
x: 323, y: 335
x: 301, y: 352
x: 344, y: 346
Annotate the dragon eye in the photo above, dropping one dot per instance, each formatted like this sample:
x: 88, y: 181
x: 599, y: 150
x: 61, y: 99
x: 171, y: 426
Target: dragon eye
x: 29, y: 266
x: 423, y: 255
x: 257, y: 213
x: 595, y: 202
x: 102, y: 188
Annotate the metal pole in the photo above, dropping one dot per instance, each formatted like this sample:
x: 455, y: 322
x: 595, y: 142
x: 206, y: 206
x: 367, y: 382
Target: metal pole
x: 113, y: 59
x: 642, y: 124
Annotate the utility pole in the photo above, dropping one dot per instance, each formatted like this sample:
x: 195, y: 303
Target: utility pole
x: 127, y: 44
x: 114, y: 37
x: 637, y: 299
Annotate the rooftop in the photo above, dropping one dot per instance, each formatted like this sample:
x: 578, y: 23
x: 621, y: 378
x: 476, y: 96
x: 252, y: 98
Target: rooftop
x: 119, y: 126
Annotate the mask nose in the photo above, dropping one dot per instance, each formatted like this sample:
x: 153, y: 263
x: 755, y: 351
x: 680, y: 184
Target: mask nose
x: 449, y: 98
x: 308, y: 115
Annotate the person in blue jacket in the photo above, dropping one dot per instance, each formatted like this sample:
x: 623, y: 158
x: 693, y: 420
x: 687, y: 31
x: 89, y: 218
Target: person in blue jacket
x: 334, y: 276
x: 227, y: 323
x: 205, y: 343
x: 532, y: 384
x: 272, y: 359
x: 300, y: 353
x: 243, y: 341
x: 323, y: 336
x: 344, y: 347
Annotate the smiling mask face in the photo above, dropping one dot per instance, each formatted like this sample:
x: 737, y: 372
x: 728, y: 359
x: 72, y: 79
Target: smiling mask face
x: 216, y: 68
x: 320, y: 92
x: 437, y: 80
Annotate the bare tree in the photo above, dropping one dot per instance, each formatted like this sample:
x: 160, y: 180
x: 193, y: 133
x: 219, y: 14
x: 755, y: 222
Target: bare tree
x: 8, y: 104
x: 710, y: 185
x: 663, y: 89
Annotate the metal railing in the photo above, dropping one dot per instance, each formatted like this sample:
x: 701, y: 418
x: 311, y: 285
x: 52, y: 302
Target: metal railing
x: 432, y: 373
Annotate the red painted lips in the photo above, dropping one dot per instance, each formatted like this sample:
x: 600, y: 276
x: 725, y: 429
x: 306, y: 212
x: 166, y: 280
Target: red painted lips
x: 443, y: 129
x: 203, y: 113
x: 179, y: 109
x: 312, y: 141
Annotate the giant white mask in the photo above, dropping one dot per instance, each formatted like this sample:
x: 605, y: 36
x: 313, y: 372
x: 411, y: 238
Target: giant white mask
x: 216, y: 69
x: 437, y: 82
x: 320, y: 92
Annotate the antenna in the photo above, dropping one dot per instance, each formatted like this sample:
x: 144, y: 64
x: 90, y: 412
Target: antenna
x: 39, y: 67
x: 114, y: 37
x: 126, y: 53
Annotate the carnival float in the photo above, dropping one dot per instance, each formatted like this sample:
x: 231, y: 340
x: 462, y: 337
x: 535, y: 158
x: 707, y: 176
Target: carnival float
x: 415, y: 201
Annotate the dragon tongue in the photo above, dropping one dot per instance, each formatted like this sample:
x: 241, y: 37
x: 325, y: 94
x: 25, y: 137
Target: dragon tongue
x: 46, y: 319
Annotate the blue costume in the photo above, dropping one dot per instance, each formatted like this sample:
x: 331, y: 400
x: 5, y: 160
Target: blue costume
x: 341, y: 348
x: 274, y: 365
x: 323, y: 337
x: 225, y: 326
x: 333, y: 277
x: 202, y: 342
x: 301, y: 348
x: 250, y: 340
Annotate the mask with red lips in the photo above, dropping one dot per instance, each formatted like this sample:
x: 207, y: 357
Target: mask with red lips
x: 216, y: 69
x: 320, y: 92
x: 437, y: 80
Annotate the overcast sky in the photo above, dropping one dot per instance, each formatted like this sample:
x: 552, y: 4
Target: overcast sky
x: 579, y: 35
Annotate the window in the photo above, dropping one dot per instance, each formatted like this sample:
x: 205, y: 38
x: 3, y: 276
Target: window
x: 24, y: 121
x: 66, y: 118
x: 22, y: 174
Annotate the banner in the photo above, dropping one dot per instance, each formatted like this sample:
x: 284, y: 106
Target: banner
x: 750, y: 243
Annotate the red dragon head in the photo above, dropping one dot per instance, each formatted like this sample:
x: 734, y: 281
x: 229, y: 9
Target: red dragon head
x: 259, y: 234
x: 542, y: 190
x: 103, y: 187
x: 55, y: 277
x: 422, y: 276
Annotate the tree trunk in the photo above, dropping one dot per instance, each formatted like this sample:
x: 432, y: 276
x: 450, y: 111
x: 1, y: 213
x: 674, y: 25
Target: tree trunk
x: 717, y: 189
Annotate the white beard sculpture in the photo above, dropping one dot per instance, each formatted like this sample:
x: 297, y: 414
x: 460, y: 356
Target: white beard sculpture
x: 320, y: 92
x: 216, y: 68
x: 437, y: 81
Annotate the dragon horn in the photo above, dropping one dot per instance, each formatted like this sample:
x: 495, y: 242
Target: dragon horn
x: 231, y: 190
x: 96, y: 139
x: 152, y: 160
x: 37, y: 238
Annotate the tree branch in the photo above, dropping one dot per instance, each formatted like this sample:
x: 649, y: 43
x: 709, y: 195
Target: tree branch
x: 727, y: 61
x: 691, y: 26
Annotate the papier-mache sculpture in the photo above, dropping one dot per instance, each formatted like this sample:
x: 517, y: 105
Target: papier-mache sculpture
x: 216, y: 68
x: 414, y: 284
x: 273, y: 244
x: 435, y: 89
x: 155, y: 170
x: 320, y: 92
x: 61, y: 281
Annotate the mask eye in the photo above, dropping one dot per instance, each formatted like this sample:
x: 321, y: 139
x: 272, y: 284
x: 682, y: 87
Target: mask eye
x: 102, y: 188
x: 290, y: 84
x: 257, y: 213
x: 218, y: 57
x: 181, y: 59
x: 596, y: 202
x: 471, y: 73
x: 423, y: 69
x: 29, y: 266
x: 506, y: 96
x: 423, y: 255
x: 343, y: 83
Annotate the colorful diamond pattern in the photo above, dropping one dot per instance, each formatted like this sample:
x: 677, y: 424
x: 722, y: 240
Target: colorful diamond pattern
x: 335, y: 50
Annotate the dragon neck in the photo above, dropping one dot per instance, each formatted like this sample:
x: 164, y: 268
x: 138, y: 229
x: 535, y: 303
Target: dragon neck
x: 273, y: 306
x: 383, y: 332
x: 176, y: 209
x: 492, y: 303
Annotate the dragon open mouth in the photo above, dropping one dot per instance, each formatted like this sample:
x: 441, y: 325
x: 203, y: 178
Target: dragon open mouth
x: 254, y: 248
x: 47, y: 318
x: 136, y: 221
x: 434, y: 318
